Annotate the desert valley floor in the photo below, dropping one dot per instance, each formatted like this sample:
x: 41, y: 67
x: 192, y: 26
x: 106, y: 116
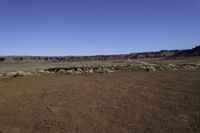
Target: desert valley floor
x: 120, y: 102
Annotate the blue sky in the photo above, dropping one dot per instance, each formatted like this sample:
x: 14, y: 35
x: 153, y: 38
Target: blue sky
x: 90, y: 27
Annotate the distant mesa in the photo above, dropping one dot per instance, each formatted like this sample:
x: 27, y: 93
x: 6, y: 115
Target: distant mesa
x: 7, y: 59
x: 161, y: 54
x: 188, y: 53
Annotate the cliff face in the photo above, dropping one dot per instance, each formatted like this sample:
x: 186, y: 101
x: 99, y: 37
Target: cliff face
x: 188, y: 53
x: 161, y: 54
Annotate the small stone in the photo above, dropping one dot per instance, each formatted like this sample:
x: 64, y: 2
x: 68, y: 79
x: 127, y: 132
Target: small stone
x: 171, y: 65
x: 151, y: 69
x: 10, y: 74
x: 77, y: 72
x: 69, y: 72
x: 99, y: 70
x: 107, y: 70
x: 28, y: 73
x: 161, y: 69
x: 41, y: 71
x: 17, y: 74
x: 21, y: 73
x: 61, y: 71
x: 189, y: 67
x: 47, y: 72
x: 90, y: 71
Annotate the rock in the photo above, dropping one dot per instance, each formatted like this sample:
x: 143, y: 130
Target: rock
x: 69, y: 72
x: 188, y: 67
x: 28, y: 73
x: 171, y: 65
x: 112, y: 67
x: 129, y: 66
x: 107, y: 70
x: 116, y: 67
x: 40, y: 71
x: 17, y: 74
x: 193, y: 64
x: 61, y: 71
x: 90, y: 71
x: 99, y: 70
x: 143, y: 67
x: 198, y: 63
x: 150, y: 69
x: 134, y: 66
x: 10, y: 74
x: 77, y: 72
x: 174, y: 69
x: 161, y: 69
x: 47, y: 72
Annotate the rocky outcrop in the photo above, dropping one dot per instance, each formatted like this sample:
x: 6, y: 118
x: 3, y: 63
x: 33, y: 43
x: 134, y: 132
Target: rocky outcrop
x: 101, y: 69
x: 188, y: 53
x: 17, y: 74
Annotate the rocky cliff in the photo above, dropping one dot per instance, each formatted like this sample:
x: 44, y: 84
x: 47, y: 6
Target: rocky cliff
x: 188, y: 53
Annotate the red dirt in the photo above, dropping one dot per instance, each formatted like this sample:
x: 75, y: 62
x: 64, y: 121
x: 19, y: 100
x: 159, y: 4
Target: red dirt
x: 122, y: 102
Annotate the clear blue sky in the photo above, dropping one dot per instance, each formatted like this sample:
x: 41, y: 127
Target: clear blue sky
x: 89, y: 27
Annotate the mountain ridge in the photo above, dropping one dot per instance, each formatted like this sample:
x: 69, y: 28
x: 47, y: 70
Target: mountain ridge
x: 141, y: 55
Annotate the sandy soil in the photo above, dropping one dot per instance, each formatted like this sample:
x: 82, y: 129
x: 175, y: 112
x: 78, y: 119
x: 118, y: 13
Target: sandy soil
x: 121, y: 102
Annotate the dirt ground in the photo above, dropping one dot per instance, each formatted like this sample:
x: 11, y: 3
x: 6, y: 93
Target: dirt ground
x: 121, y: 102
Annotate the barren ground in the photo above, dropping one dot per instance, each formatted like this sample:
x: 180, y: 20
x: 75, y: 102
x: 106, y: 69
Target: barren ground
x: 121, y: 102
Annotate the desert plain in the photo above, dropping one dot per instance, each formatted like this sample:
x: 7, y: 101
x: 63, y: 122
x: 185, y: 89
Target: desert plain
x: 120, y: 96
